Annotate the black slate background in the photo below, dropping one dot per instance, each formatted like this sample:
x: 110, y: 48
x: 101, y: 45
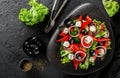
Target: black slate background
x: 13, y: 33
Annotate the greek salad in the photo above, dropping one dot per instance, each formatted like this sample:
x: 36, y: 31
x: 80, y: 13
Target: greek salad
x: 83, y: 41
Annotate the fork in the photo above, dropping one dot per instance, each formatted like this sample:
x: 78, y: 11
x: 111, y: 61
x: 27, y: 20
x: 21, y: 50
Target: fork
x: 52, y: 22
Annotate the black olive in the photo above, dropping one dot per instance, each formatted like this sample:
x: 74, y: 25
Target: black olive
x: 91, y: 24
x: 92, y: 53
x: 71, y: 40
x: 29, y: 52
x: 26, y: 43
x: 38, y: 43
x: 100, y: 43
x: 78, y: 56
x: 27, y: 49
x: 28, y: 46
x: 32, y: 46
x: 34, y: 39
x: 84, y: 31
x: 68, y: 23
x: 36, y: 52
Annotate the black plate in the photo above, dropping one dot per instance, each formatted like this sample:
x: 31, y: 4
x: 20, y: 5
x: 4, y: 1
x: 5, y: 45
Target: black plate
x: 53, y: 48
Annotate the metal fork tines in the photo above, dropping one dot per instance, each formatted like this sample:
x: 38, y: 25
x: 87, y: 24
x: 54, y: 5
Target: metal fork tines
x: 52, y: 22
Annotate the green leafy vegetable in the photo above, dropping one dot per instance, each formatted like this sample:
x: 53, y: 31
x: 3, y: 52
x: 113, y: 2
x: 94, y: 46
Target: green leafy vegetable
x: 65, y: 60
x: 36, y: 14
x: 97, y: 22
x: 75, y: 20
x: 100, y: 34
x: 74, y: 31
x: 92, y: 63
x: 93, y: 47
x: 64, y: 52
x: 111, y: 7
x: 109, y: 47
x: 77, y: 40
x: 85, y: 65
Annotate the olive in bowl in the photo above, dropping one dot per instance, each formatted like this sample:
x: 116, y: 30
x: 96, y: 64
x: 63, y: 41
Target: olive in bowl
x: 32, y: 46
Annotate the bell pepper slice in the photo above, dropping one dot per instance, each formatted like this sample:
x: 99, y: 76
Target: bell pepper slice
x: 74, y: 47
x: 102, y: 27
x: 65, y: 38
x: 84, y: 24
x: 80, y: 18
x: 89, y: 20
x: 76, y: 63
x: 62, y: 33
x: 103, y: 39
x: 106, y: 44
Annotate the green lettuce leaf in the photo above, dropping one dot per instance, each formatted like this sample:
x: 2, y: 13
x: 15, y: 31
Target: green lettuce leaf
x: 111, y: 7
x: 34, y: 15
x: 65, y: 60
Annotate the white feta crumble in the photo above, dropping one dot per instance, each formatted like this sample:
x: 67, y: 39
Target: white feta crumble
x: 78, y: 24
x: 88, y: 39
x: 92, y: 28
x: 101, y: 52
x: 91, y: 59
x: 66, y: 30
x: 106, y: 34
x: 71, y: 56
x: 66, y: 44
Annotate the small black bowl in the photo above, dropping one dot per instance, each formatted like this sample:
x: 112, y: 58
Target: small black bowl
x: 32, y: 46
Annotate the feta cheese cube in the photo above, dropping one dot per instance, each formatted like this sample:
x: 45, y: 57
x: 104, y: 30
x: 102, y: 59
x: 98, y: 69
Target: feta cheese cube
x: 101, y: 52
x: 88, y: 39
x: 78, y: 24
x: 66, y: 30
x: 92, y: 28
x: 66, y: 44
x: 106, y: 34
x: 71, y: 56
x: 91, y: 59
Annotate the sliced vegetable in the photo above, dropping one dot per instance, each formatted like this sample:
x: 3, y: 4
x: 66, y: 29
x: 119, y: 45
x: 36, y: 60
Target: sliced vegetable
x: 100, y: 34
x: 88, y: 19
x: 85, y: 65
x: 101, y: 51
x: 65, y: 38
x: 93, y: 47
x: 74, y: 31
x: 86, y: 41
x: 80, y: 18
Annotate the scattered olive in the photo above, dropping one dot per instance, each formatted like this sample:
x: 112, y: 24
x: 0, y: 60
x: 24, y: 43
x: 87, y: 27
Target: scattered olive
x: 92, y: 53
x: 84, y: 31
x: 71, y: 40
x: 91, y: 24
x: 100, y: 43
x: 78, y: 56
x: 68, y: 23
